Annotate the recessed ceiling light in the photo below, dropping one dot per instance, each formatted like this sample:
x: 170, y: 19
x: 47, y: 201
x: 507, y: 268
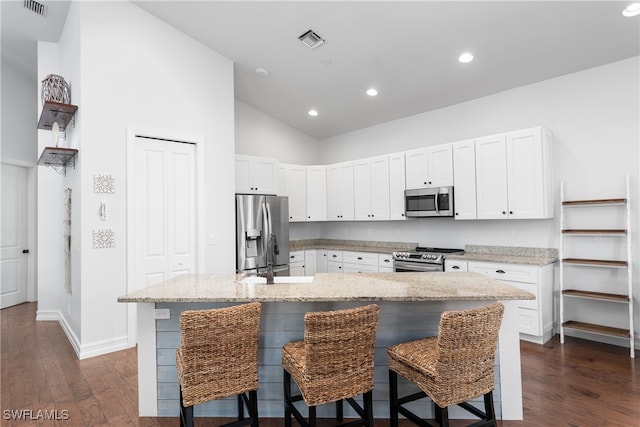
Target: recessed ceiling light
x: 465, y: 57
x: 262, y: 72
x: 313, y: 113
x: 632, y: 10
x: 372, y: 92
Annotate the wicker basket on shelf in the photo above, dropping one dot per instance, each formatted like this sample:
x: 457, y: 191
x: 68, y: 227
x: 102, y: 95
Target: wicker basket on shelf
x: 55, y: 89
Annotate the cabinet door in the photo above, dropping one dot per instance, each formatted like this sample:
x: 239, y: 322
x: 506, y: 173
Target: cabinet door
x: 526, y: 170
x: 316, y: 193
x: 310, y: 267
x: 296, y: 181
x: 397, y: 186
x: 491, y: 177
x: 281, y: 180
x: 334, y: 192
x: 362, y: 189
x: 464, y: 179
x: 296, y: 269
x: 440, y: 165
x: 322, y: 261
x: 416, y: 168
x: 243, y: 174
x: 264, y: 175
x: 334, y: 267
x: 380, y: 188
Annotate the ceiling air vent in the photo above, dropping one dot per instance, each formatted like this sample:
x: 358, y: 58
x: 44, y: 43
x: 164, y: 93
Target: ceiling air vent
x: 35, y: 7
x: 311, y: 39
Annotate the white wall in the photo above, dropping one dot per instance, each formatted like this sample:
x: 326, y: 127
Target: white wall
x: 144, y: 75
x: 259, y: 134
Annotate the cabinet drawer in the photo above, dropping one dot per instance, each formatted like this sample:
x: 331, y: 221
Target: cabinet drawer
x: 363, y: 258
x: 532, y: 288
x: 385, y: 260
x: 334, y: 255
x: 359, y: 268
x: 296, y: 256
x: 455, y: 266
x: 334, y: 267
x: 506, y: 272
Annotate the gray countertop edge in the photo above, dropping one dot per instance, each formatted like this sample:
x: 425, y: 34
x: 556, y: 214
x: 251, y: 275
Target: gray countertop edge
x: 505, y: 259
x: 351, y: 245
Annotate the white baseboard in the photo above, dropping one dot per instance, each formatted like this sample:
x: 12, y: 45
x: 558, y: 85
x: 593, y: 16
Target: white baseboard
x: 83, y: 351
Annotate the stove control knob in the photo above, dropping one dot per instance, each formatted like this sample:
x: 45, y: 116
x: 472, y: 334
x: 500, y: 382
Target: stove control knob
x: 425, y: 256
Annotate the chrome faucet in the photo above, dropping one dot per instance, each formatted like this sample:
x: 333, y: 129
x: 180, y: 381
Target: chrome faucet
x: 272, y: 251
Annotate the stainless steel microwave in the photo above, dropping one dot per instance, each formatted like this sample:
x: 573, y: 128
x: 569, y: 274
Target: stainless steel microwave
x: 427, y: 202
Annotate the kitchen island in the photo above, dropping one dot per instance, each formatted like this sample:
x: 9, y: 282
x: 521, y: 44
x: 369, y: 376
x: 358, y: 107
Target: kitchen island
x: 410, y: 307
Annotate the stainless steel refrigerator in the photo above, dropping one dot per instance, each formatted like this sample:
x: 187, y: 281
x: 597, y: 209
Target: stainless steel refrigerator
x: 262, y: 234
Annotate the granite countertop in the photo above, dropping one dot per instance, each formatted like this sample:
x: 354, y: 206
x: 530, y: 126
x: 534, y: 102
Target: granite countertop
x: 351, y: 245
x: 508, y: 255
x: 331, y: 287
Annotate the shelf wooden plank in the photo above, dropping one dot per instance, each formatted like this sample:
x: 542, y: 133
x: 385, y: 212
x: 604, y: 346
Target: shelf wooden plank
x: 56, y: 112
x: 596, y: 262
x: 597, y: 329
x: 595, y: 202
x: 57, y: 156
x: 596, y: 232
x: 596, y: 295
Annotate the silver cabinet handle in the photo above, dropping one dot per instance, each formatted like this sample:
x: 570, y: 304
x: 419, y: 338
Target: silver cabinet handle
x: 500, y: 271
x: 455, y: 267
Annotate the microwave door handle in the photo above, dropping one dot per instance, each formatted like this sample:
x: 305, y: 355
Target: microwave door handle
x: 437, y: 196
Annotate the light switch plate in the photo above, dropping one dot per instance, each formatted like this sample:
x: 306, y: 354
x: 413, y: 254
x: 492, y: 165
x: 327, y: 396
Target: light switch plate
x: 162, y: 313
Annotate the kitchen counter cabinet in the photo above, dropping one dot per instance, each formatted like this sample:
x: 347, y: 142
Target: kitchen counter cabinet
x: 410, y: 306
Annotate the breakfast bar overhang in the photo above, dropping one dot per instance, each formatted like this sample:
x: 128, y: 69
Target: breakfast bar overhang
x: 410, y: 308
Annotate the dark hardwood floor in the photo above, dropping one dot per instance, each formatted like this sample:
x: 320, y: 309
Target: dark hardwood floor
x: 581, y: 383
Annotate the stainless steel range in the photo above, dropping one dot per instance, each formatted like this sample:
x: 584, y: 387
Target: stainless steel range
x: 422, y: 259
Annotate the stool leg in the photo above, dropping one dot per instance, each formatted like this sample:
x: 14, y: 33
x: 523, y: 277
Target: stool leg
x: 253, y: 405
x: 186, y: 413
x: 312, y: 416
x: 287, y: 398
x: 393, y: 398
x: 367, y: 399
x: 488, y: 407
x: 442, y: 415
x: 240, y: 407
x: 339, y: 410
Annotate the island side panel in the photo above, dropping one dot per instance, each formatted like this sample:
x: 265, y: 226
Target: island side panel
x: 282, y: 322
x: 509, y: 368
x: 147, y: 378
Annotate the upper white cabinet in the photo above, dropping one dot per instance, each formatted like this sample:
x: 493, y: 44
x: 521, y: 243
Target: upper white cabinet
x: 340, y: 199
x: 464, y: 179
x: 292, y: 182
x: 316, y: 193
x: 513, y: 175
x: 255, y: 174
x: 397, y: 186
x: 429, y: 167
x: 371, y: 188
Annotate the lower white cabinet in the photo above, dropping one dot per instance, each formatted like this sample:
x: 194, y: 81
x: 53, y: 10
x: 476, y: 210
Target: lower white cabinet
x: 385, y: 263
x: 332, y: 261
x: 322, y: 261
x: 535, y: 317
x: 310, y: 262
x: 296, y: 263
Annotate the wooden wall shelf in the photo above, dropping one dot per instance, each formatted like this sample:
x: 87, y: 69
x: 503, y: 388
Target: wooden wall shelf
x: 594, y: 202
x: 596, y: 295
x: 58, y: 158
x: 597, y: 329
x: 56, y: 112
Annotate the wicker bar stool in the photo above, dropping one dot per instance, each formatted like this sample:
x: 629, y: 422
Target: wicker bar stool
x: 452, y: 368
x: 332, y: 364
x: 217, y: 358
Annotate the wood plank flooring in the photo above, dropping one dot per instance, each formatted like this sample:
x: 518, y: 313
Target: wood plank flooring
x: 579, y: 384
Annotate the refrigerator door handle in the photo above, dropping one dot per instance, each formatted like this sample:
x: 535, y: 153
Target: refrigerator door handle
x: 276, y: 250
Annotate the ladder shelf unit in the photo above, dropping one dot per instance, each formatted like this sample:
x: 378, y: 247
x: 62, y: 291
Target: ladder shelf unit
x: 572, y: 291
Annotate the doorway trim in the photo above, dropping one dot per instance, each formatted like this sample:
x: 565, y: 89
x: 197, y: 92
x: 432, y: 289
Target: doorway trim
x: 164, y: 135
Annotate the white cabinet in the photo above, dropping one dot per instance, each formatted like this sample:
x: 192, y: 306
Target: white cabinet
x: 334, y: 261
x: 340, y: 199
x: 255, y: 174
x: 464, y: 179
x: 397, y: 186
x: 513, y: 175
x: 371, y: 188
x: 296, y: 263
x: 359, y: 262
x: 292, y: 182
x: 310, y: 262
x: 429, y: 167
x: 535, y: 317
x: 322, y: 261
x: 455, y: 266
x: 385, y: 263
x: 316, y: 193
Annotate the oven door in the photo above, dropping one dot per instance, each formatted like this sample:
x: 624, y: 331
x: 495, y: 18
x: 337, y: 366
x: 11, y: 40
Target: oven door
x: 408, y: 267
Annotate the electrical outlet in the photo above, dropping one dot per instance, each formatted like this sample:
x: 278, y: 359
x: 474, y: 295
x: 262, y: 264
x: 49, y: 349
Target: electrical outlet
x: 162, y: 313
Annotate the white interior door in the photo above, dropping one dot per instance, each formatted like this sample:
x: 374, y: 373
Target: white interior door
x: 13, y: 236
x: 163, y: 189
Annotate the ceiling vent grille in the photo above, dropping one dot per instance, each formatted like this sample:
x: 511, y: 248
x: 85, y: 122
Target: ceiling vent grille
x: 35, y: 7
x: 311, y: 39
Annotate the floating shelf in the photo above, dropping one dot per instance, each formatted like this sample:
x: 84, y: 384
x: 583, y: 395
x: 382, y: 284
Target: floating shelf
x: 58, y: 158
x: 595, y: 202
x: 597, y: 232
x: 597, y: 329
x: 595, y: 295
x: 595, y: 262
x: 55, y: 112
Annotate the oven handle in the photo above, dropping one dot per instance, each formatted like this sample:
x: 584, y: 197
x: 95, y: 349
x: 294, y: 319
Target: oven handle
x: 416, y: 266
